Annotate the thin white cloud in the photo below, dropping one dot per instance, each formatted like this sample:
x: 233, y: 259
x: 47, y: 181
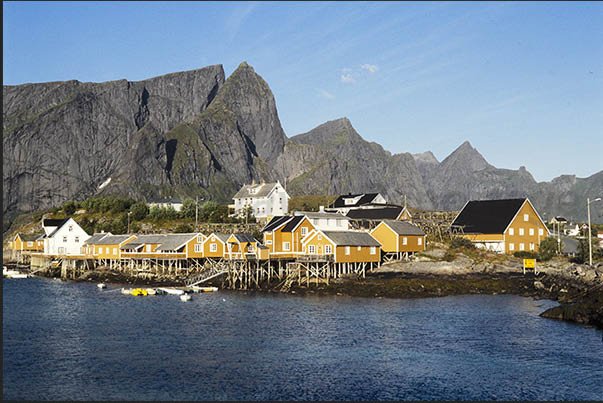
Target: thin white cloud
x: 369, y: 67
x: 325, y: 94
x: 237, y: 18
x: 347, y: 79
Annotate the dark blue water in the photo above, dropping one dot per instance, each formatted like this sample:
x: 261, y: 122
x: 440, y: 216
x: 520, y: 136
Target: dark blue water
x: 72, y: 341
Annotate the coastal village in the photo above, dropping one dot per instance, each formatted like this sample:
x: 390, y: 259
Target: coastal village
x: 353, y: 235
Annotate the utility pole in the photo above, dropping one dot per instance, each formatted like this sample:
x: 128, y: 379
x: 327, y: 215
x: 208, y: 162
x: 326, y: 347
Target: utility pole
x: 590, y: 246
x: 196, y: 211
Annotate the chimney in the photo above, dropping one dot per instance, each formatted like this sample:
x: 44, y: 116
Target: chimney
x: 321, y: 209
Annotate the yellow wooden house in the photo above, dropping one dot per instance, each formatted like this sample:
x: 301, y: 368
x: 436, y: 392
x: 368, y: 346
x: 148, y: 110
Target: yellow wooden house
x: 342, y: 246
x: 214, y: 245
x: 27, y: 242
x: 399, y: 238
x: 109, y: 247
x: 503, y: 226
x: 244, y: 247
x: 283, y: 235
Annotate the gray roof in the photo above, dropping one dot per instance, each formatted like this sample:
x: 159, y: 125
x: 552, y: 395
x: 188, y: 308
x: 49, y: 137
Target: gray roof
x: 404, y: 228
x: 30, y: 237
x: 351, y: 238
x: 112, y: 239
x: 244, y: 238
x: 144, y: 239
x: 321, y: 214
x: 220, y: 236
x: 251, y: 191
x: 93, y: 240
x: 175, y: 241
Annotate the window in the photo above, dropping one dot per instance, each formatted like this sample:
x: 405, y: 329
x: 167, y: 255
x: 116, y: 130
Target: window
x: 250, y: 248
x: 419, y: 241
x: 521, y: 231
x: 213, y: 247
x: 511, y: 231
x: 540, y: 231
x: 200, y: 239
x: 198, y: 248
x: 148, y: 248
x: 319, y: 237
x: 286, y: 246
x: 328, y: 249
x: 77, y: 239
x: 404, y: 241
x: 115, y: 251
x: 280, y: 200
x: 311, y: 249
x: 64, y: 239
x: 526, y: 217
x: 268, y: 242
x: 304, y: 231
x: 373, y: 250
x: 100, y: 250
x: 531, y: 231
x: 511, y: 246
x: 531, y: 246
x: 70, y: 228
x: 347, y: 250
x: 521, y: 246
x: 30, y: 243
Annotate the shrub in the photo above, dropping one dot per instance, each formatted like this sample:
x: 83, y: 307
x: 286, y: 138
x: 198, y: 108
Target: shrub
x: 548, y: 248
x: 188, y: 208
x: 460, y: 242
x: 183, y: 228
x: 69, y: 207
x: 139, y: 211
x: 524, y: 254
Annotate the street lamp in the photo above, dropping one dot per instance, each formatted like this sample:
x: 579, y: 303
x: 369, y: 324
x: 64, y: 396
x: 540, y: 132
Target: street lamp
x: 129, y: 212
x: 590, y: 246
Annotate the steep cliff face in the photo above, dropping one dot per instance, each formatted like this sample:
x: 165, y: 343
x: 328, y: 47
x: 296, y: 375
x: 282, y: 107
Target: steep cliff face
x: 62, y: 140
x: 343, y: 162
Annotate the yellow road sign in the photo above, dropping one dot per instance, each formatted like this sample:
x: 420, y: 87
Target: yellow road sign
x: 529, y: 263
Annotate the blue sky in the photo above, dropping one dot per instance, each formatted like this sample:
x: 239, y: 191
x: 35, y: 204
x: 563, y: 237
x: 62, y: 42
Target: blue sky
x: 523, y: 82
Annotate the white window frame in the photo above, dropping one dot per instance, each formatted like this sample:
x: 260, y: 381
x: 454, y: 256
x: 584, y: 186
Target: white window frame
x: 522, y: 246
x: 511, y: 246
x: 213, y: 247
x: 328, y: 249
x: 286, y: 246
x: 419, y: 241
x: 531, y: 245
x: 319, y: 237
x: 359, y: 248
x: 531, y: 231
x: 100, y: 250
x: 199, y: 238
x: 373, y: 250
x: 115, y: 251
x: 511, y: 231
x: 347, y: 250
x: 540, y: 231
x: 521, y: 232
x: 148, y: 248
x: 198, y: 248
x: 29, y: 243
x: 268, y: 242
x: 526, y: 217
x: 311, y: 249
x: 304, y: 231
x: 404, y: 240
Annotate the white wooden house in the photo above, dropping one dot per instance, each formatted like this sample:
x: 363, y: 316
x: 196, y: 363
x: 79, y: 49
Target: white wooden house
x: 63, y: 237
x: 265, y: 199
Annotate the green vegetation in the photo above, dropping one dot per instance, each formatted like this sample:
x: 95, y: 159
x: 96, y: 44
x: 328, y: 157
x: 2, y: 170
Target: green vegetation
x: 309, y: 202
x: 548, y: 248
x: 460, y: 242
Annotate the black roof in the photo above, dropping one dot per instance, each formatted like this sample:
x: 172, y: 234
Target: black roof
x: 292, y: 223
x: 275, y: 222
x: 54, y: 222
x: 384, y: 213
x: 365, y: 199
x: 488, y: 216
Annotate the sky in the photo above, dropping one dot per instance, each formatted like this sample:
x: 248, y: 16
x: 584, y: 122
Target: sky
x: 522, y: 82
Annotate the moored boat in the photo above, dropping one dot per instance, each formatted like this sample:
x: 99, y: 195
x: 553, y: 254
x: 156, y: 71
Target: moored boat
x: 186, y: 297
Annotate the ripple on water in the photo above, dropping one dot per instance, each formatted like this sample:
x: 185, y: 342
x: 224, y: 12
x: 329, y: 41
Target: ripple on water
x: 72, y: 341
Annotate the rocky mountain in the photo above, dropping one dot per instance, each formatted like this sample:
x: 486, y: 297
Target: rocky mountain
x: 197, y: 133
x: 335, y: 160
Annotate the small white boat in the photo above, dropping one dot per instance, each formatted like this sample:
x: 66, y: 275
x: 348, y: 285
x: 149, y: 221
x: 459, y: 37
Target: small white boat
x: 17, y: 275
x: 101, y: 285
x: 126, y: 291
x: 172, y: 291
x: 186, y: 297
x: 204, y: 289
x: 151, y: 291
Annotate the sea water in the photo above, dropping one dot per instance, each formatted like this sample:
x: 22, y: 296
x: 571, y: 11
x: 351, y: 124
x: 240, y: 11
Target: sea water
x: 73, y: 341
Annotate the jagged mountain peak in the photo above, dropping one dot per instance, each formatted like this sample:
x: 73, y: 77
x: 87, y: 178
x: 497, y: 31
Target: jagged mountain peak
x: 333, y: 132
x: 465, y: 158
x: 426, y: 157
